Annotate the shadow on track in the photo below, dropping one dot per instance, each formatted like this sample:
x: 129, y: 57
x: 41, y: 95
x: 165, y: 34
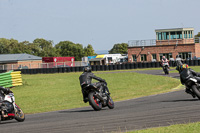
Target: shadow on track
x: 74, y: 111
x: 181, y: 100
x: 7, y: 122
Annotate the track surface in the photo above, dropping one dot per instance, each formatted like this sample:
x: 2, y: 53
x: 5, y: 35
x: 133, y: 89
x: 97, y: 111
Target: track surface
x: 152, y: 111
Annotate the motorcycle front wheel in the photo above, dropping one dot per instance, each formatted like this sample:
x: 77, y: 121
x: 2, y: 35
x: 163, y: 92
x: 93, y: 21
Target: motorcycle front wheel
x: 110, y: 103
x: 19, y: 114
x: 166, y: 70
x: 94, y: 101
x: 196, y: 90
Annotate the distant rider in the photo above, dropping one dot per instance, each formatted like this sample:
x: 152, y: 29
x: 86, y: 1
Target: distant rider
x: 178, y: 63
x: 164, y: 60
x: 86, y: 78
x: 187, y: 73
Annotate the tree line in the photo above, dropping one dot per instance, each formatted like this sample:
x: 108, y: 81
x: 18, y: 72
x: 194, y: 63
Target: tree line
x: 44, y: 48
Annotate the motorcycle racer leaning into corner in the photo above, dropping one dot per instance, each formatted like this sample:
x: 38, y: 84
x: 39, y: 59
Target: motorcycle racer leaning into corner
x: 187, y: 73
x: 86, y: 78
x: 3, y: 91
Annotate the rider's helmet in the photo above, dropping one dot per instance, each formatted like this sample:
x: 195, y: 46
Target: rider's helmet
x: 87, y: 69
x: 177, y: 56
x: 184, y: 66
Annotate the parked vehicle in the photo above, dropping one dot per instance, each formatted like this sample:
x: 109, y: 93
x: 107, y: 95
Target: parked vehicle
x: 193, y: 86
x: 97, y: 98
x: 10, y: 110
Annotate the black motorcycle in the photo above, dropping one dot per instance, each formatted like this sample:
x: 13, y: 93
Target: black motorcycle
x: 9, y: 109
x: 98, y: 98
x: 193, y: 86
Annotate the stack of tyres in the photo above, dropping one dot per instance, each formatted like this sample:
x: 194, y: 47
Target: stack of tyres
x: 136, y: 65
x: 106, y: 67
x: 102, y: 67
x: 118, y: 66
x: 139, y: 65
x: 123, y: 66
x: 196, y: 62
x: 10, y: 79
x: 114, y: 67
x: 157, y: 64
x: 111, y: 67
x: 131, y: 65
x: 98, y: 67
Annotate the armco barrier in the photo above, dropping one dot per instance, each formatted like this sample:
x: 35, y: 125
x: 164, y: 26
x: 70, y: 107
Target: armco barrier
x: 103, y: 67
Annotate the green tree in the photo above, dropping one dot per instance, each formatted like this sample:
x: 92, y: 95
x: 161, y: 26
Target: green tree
x: 119, y: 48
x: 197, y: 38
x: 89, y: 51
x: 9, y: 46
x: 43, y: 48
x: 69, y: 49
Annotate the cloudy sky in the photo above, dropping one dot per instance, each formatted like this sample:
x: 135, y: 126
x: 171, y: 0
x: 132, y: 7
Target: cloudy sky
x: 101, y: 23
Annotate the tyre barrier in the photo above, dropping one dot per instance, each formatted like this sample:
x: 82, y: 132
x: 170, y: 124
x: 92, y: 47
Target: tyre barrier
x: 134, y: 65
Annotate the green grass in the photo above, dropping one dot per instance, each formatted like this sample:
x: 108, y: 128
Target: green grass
x: 179, y: 128
x: 50, y: 92
x: 195, y: 68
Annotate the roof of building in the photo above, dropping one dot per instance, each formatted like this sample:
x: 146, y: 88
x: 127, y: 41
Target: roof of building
x: 17, y: 57
x: 173, y: 29
x: 96, y: 59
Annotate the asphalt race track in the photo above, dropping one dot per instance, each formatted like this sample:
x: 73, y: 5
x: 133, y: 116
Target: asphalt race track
x: 141, y: 113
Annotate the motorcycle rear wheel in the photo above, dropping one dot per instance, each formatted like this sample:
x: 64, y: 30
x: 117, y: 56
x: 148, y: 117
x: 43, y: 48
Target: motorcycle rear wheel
x: 196, y: 91
x: 19, y: 115
x: 94, y: 101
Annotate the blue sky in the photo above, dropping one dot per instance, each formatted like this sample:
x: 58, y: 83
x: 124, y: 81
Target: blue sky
x: 101, y: 23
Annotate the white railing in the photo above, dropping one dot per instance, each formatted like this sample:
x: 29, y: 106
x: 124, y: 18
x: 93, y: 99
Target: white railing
x: 151, y: 42
x: 9, y: 67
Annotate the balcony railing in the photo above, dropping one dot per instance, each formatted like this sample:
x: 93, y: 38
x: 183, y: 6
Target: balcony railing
x: 152, y: 42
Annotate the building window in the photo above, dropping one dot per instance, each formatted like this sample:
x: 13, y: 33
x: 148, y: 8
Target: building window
x: 167, y: 35
x: 159, y: 35
x: 185, y: 34
x: 167, y: 55
x: 179, y: 35
x: 153, y: 57
x: 143, y: 57
x: 189, y: 34
x: 134, y: 57
x: 173, y: 35
x: 185, y: 55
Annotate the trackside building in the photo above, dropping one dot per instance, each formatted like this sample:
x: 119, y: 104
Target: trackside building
x: 168, y: 42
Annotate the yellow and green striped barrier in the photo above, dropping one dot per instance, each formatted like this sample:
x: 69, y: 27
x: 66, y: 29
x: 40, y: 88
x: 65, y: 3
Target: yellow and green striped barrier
x: 10, y: 79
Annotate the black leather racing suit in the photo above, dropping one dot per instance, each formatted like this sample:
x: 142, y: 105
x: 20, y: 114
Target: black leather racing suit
x: 178, y: 63
x: 189, y: 73
x: 185, y: 75
x: 86, y: 78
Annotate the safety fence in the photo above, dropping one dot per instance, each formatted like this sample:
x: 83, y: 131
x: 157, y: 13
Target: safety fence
x: 103, y: 67
x: 24, y: 65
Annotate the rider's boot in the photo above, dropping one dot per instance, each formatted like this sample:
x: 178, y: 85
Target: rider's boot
x: 85, y: 99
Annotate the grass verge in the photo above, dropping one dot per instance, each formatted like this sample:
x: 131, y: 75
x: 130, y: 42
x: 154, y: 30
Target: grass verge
x: 50, y: 92
x: 179, y: 128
